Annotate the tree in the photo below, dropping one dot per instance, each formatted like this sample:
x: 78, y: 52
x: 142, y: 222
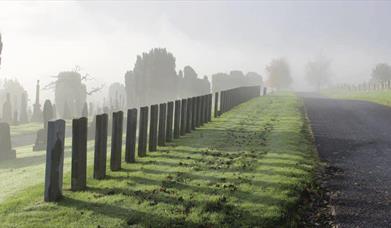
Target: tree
x: 318, y: 72
x: 1, y: 47
x: 381, y: 72
x: 279, y: 74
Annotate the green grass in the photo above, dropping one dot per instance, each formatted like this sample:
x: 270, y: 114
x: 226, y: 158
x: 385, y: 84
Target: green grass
x: 381, y: 97
x: 247, y: 168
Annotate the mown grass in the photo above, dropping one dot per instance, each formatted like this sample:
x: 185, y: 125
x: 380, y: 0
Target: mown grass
x: 247, y: 168
x: 381, y: 97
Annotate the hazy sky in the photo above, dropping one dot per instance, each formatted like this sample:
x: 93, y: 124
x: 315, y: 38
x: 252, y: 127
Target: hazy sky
x: 104, y: 37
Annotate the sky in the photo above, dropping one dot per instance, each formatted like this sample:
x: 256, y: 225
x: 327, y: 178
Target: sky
x: 42, y: 38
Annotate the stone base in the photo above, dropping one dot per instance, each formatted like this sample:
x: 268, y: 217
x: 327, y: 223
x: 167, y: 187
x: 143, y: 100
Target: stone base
x: 10, y: 155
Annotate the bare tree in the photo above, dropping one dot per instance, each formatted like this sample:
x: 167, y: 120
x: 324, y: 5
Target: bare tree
x: 318, y: 72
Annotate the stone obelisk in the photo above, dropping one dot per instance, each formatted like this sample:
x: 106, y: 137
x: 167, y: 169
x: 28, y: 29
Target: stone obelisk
x: 37, y: 113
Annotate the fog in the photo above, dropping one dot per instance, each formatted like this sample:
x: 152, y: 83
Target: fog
x: 104, y: 38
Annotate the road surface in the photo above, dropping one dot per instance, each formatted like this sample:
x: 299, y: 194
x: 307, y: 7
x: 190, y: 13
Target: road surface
x: 354, y: 137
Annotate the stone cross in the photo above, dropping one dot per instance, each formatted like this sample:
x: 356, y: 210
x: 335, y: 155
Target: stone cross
x: 54, y: 161
x: 79, y: 154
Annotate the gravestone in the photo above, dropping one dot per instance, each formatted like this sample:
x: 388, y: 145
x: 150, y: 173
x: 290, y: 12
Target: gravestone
x: 153, y: 127
x: 189, y: 115
x: 183, y: 116
x: 177, y: 119
x: 199, y: 111
x: 210, y: 107
x: 116, y: 141
x: 162, y: 124
x: 6, y: 151
x: 54, y: 160
x: 131, y: 130
x: 23, y: 109
x: 143, y: 132
x: 100, y: 155
x: 194, y: 114
x: 7, y: 110
x: 170, y: 115
x: 216, y: 105
x: 79, y: 154
x: 40, y: 140
x: 37, y: 113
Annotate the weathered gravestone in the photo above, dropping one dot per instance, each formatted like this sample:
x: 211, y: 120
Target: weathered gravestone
x: 177, y: 119
x: 7, y: 110
x: 79, y: 154
x: 131, y: 130
x: 6, y: 151
x: 40, y: 141
x: 100, y: 155
x: 194, y: 114
x: 143, y: 132
x: 216, y: 105
x: 153, y: 126
x: 162, y: 124
x: 170, y: 113
x: 189, y: 114
x: 183, y: 116
x: 116, y: 141
x: 54, y: 160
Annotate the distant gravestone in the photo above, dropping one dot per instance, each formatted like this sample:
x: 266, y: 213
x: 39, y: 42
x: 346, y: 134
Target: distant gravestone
x: 210, y: 100
x: 143, y: 132
x: 7, y: 110
x: 116, y: 141
x: 177, y: 119
x: 189, y: 115
x: 199, y: 111
x: 216, y: 105
x: 6, y: 151
x: 183, y: 116
x: 79, y: 154
x: 162, y: 124
x: 169, y: 122
x: 194, y: 113
x: 23, y: 109
x: 153, y: 127
x: 131, y: 130
x: 100, y: 155
x: 47, y: 114
x: 54, y: 161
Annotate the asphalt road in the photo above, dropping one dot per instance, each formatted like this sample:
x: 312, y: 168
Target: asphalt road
x: 354, y: 137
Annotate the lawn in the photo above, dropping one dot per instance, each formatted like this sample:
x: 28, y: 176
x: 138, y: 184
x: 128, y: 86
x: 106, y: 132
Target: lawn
x: 381, y: 97
x: 246, y: 168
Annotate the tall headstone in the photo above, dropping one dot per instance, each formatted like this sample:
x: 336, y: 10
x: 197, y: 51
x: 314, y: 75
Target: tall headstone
x: 100, y: 155
x: 177, y: 119
x: 7, y: 110
x: 116, y: 141
x: 170, y: 115
x: 183, y: 116
x: 79, y: 154
x: 23, y: 109
x: 37, y: 113
x: 189, y: 115
x: 153, y: 127
x: 143, y: 132
x: 6, y: 151
x: 194, y: 114
x: 162, y: 124
x: 216, y: 105
x: 54, y: 160
x: 131, y: 130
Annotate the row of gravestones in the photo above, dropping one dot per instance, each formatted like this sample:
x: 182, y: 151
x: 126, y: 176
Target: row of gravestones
x: 167, y: 122
x: 15, y: 117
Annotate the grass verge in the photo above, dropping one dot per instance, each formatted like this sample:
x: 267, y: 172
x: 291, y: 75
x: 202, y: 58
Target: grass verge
x: 247, y: 168
x: 381, y: 97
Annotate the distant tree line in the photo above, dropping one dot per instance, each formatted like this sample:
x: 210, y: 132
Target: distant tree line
x: 236, y: 78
